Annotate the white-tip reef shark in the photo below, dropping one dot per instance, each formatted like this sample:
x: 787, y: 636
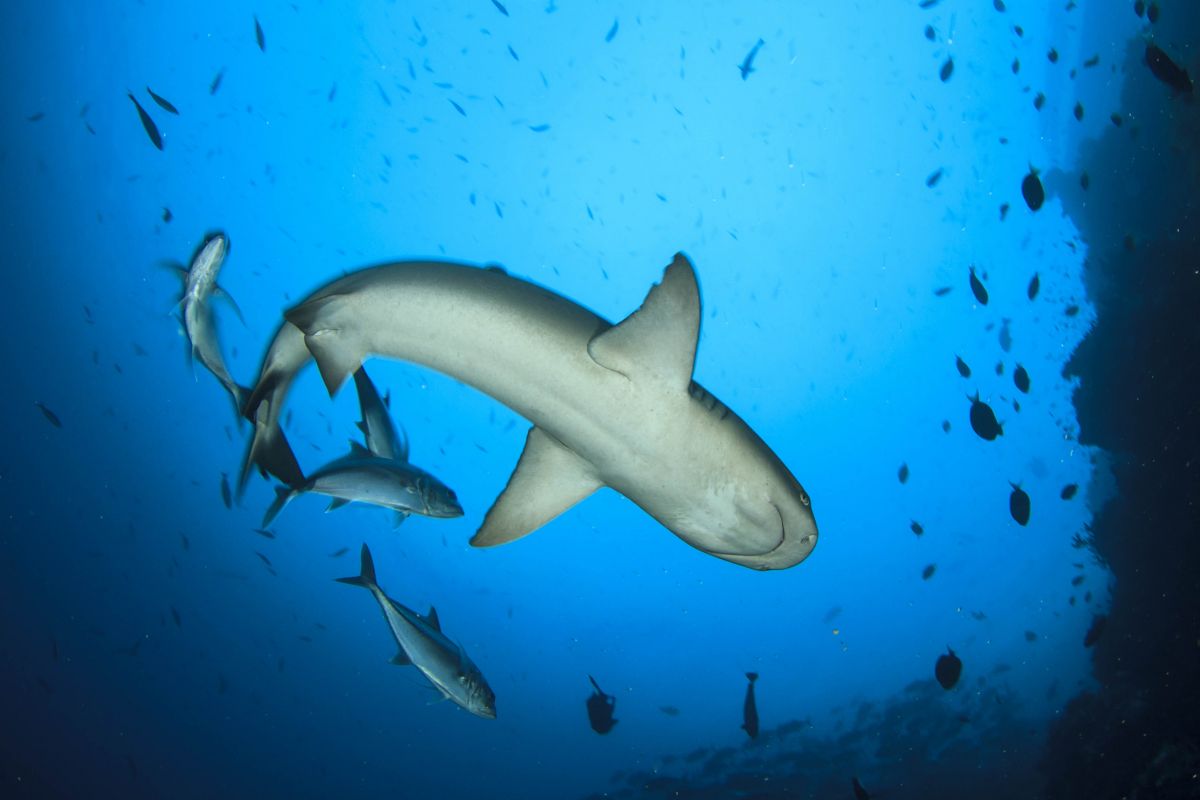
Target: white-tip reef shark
x: 611, y: 405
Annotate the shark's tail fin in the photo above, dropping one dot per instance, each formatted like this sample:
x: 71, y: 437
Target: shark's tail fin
x: 282, y: 495
x: 269, y: 451
x: 366, y: 576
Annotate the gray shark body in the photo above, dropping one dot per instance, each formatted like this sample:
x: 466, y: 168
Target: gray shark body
x: 610, y: 405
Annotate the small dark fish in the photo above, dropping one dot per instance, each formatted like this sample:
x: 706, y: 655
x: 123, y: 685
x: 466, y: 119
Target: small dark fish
x: 332, y: 93
x: 946, y: 425
x: 1071, y: 310
x: 1018, y: 505
x: 1094, y: 632
x: 612, y: 32
x: 226, y: 495
x: 749, y: 708
x: 1079, y: 112
x: 747, y: 65
x: 1052, y: 55
x: 1077, y: 580
x: 222, y: 684
x: 934, y: 177
x: 1021, y: 379
x: 1139, y: 7
x: 983, y: 420
x: 163, y: 103
x: 183, y: 542
x: 916, y: 528
x: 540, y: 128
x: 147, y: 123
x: 1003, y: 211
x: 998, y: 5
x: 341, y: 551
x: 1152, y: 12
x: 927, y: 573
x: 1091, y: 62
x: 1018, y: 30
x: 1039, y: 101
x: 942, y: 291
x: 1005, y: 341
x: 263, y: 558
x: 167, y: 216
x: 600, y: 709
x: 1016, y: 66
x: 902, y: 473
x: 948, y: 669
x: 930, y: 33
x: 258, y: 35
x: 513, y: 53
x: 977, y: 288
x: 1167, y: 70
x: 500, y: 7
x: 1069, y: 491
x: 1032, y: 191
x: 50, y: 416
x: 264, y: 533
x: 175, y: 616
x: 963, y: 369
x: 947, y: 70
x: 999, y: 367
x: 457, y: 107
x: 36, y: 116
x: 1034, y: 285
x: 859, y: 792
x: 216, y: 81
x: 929, y: 3
x: 670, y: 711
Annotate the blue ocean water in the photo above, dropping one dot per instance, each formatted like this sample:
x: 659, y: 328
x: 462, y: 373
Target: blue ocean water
x: 835, y: 196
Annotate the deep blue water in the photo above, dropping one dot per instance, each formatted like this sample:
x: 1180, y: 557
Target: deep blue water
x: 833, y: 202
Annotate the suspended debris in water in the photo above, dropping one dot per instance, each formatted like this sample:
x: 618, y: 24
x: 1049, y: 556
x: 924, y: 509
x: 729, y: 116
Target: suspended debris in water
x: 947, y: 669
x: 1018, y: 505
x: 977, y: 288
x: 1032, y: 191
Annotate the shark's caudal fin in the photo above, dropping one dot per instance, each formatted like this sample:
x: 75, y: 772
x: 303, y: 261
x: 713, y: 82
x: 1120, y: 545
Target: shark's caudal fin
x: 337, y: 358
x: 366, y: 572
x: 269, y: 451
x: 282, y: 495
x: 548, y: 480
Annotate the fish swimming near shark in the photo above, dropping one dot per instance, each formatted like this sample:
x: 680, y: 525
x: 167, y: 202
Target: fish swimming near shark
x: 423, y: 645
x: 199, y: 322
x: 750, y: 708
x: 611, y: 405
x: 361, y: 477
x: 377, y: 427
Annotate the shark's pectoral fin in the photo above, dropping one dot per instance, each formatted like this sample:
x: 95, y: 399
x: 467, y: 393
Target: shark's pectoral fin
x: 401, y: 659
x: 658, y: 341
x: 335, y: 358
x: 336, y: 503
x: 548, y: 480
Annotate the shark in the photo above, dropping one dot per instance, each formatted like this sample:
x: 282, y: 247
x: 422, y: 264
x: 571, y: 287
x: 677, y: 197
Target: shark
x: 610, y: 405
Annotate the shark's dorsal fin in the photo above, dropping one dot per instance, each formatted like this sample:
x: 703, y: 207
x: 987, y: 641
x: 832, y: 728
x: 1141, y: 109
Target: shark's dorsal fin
x: 658, y: 341
x: 548, y: 480
x: 432, y: 619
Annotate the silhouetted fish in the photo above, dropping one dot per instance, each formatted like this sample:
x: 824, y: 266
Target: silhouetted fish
x: 1018, y: 505
x: 600, y: 709
x: 1152, y: 12
x: 670, y: 711
x: 167, y: 216
x: 1039, y: 101
x: 612, y: 32
x: 859, y: 792
x: 947, y: 669
x: 163, y: 102
x: 933, y: 178
x: 749, y: 708
x: 947, y: 70
x: 927, y: 573
x: 916, y: 528
x: 977, y: 288
x: 902, y: 473
x: 50, y: 416
x: 341, y: 551
x: 1167, y: 70
x: 1079, y: 111
x: 1021, y: 379
x: 226, y: 495
x: 1068, y: 491
x: 963, y: 369
x: 1096, y: 629
x: 1052, y: 55
x: 747, y: 65
x: 147, y: 123
x: 264, y: 533
x: 175, y: 616
x: 216, y: 81
x: 500, y: 7
x: 1034, y: 285
x: 1032, y: 191
x: 258, y: 35
x: 983, y: 420
x: 930, y: 33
